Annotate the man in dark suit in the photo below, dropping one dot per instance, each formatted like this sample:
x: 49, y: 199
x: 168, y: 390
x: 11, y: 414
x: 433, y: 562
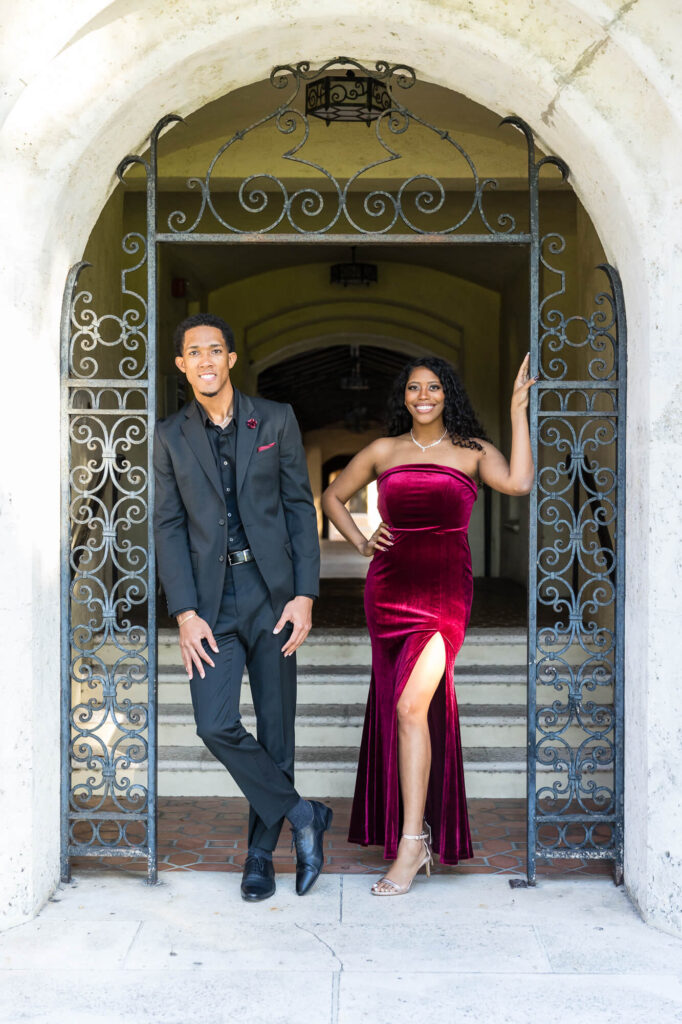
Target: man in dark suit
x: 238, y: 556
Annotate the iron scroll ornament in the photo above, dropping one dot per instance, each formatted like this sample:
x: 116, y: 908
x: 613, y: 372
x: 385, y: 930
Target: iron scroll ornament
x: 577, y: 542
x: 108, y: 607
x: 264, y: 203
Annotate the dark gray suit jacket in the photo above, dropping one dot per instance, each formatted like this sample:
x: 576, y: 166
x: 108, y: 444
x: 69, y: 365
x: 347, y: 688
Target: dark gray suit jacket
x: 274, y: 498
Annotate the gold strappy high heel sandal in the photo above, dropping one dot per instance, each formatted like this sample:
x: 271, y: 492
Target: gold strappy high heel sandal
x: 427, y: 861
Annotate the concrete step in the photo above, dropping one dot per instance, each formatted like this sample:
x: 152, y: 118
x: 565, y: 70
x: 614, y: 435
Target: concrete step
x: 489, y: 772
x: 333, y: 681
x: 331, y: 772
x: 334, y: 725
x: 474, y: 684
x: 352, y: 647
x: 340, y: 661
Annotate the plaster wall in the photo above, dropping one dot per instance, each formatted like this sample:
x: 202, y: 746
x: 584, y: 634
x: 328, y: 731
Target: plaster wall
x: 598, y: 83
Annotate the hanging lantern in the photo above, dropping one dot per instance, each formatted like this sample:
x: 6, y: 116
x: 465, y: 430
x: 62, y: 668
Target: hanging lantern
x: 347, y: 98
x: 353, y: 273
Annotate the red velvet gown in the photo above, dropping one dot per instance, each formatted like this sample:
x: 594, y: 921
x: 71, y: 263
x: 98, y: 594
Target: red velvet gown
x: 421, y: 585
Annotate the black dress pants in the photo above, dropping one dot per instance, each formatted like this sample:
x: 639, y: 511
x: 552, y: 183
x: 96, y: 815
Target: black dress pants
x: 261, y: 765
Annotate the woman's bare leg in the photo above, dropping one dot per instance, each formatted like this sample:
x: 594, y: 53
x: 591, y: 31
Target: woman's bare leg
x: 414, y: 754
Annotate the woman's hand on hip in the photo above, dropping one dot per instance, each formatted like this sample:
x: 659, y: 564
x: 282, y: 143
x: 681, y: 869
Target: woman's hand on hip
x: 381, y: 540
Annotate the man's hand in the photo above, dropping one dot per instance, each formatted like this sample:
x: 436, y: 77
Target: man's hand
x: 299, y: 611
x: 193, y: 630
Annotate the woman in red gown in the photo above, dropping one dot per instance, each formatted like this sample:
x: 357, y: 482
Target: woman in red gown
x: 417, y: 601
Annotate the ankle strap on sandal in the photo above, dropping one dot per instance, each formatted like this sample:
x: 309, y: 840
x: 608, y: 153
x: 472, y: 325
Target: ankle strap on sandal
x: 422, y: 835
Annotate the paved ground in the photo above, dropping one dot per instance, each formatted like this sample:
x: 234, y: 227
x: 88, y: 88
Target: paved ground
x: 209, y: 834
x: 456, y: 949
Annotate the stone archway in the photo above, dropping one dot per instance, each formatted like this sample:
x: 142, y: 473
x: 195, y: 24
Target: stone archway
x: 586, y: 83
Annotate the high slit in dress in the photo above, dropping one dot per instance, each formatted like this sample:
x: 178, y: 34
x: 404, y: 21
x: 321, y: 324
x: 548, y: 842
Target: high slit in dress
x: 420, y: 586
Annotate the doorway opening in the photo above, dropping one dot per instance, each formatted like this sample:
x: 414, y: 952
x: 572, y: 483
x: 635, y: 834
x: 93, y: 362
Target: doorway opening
x: 482, y: 253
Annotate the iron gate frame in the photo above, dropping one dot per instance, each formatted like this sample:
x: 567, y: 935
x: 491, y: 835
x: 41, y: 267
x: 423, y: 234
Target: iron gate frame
x: 543, y: 325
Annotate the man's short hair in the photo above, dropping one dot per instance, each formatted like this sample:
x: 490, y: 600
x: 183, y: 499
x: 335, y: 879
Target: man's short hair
x: 202, y: 320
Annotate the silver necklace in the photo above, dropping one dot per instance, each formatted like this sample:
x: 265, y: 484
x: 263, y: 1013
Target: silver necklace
x: 425, y: 446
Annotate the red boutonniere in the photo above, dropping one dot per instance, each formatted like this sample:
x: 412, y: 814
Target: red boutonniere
x: 252, y: 424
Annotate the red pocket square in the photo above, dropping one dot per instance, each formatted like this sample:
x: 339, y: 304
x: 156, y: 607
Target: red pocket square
x: 264, y: 447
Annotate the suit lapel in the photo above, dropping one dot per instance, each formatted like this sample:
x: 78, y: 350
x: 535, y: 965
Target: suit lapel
x: 246, y: 437
x: 195, y: 433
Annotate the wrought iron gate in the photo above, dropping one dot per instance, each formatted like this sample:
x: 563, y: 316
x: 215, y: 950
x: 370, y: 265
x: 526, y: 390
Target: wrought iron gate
x: 576, y: 555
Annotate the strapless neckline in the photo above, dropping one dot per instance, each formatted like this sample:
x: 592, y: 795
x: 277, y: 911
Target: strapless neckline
x: 430, y: 465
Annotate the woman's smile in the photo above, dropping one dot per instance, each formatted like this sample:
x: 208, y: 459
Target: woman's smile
x: 424, y: 397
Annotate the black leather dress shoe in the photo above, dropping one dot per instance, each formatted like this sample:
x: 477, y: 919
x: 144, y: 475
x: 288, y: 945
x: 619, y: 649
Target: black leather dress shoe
x: 258, y: 879
x: 309, y: 852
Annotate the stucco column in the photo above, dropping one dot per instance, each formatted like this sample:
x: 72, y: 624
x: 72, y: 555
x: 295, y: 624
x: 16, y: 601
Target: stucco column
x: 29, y: 586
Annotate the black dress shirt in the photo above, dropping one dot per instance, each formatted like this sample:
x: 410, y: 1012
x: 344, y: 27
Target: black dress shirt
x: 223, y: 442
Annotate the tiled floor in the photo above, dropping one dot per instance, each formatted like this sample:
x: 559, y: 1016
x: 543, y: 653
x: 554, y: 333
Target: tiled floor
x: 209, y: 834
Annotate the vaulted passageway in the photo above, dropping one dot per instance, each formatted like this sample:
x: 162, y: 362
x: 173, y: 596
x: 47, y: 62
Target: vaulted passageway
x: 444, y: 260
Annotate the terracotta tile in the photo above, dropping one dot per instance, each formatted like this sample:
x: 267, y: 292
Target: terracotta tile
x: 503, y: 860
x: 183, y: 858
x: 213, y: 832
x: 213, y: 856
x: 496, y: 846
x: 193, y: 828
x: 185, y: 843
x: 205, y: 867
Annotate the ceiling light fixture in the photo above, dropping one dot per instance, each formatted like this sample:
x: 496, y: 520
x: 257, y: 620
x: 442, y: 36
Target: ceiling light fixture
x: 353, y: 273
x: 349, y: 98
x: 355, y: 381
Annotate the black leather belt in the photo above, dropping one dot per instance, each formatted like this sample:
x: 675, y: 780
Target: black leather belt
x: 239, y: 557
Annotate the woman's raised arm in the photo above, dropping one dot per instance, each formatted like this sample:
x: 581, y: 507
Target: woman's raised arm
x: 516, y: 476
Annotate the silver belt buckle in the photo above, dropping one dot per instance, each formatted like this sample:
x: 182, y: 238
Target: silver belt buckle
x: 246, y: 553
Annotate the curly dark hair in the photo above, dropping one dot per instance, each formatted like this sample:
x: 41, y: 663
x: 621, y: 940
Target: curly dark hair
x: 459, y: 418
x: 202, y: 320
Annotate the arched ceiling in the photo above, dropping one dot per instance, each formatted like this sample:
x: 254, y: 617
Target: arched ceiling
x: 211, y: 266
x: 320, y: 385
